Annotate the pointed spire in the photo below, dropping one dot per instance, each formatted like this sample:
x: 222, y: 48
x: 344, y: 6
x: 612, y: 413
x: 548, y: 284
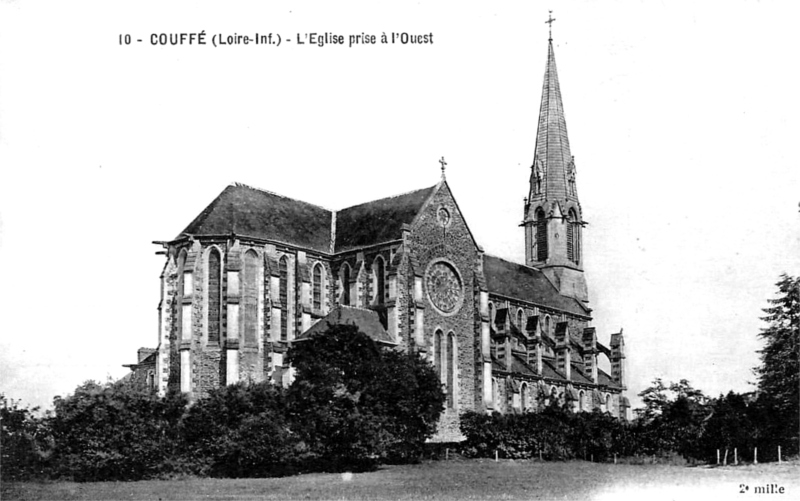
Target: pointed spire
x: 552, y: 175
x: 553, y: 219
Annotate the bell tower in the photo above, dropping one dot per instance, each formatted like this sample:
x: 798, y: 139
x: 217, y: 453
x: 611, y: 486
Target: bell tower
x: 553, y: 219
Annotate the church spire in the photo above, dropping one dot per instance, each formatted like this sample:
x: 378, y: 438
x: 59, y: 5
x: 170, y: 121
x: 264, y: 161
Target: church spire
x: 553, y: 220
x: 553, y: 170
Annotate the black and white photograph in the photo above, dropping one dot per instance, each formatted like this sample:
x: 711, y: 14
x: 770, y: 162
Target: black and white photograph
x: 399, y: 250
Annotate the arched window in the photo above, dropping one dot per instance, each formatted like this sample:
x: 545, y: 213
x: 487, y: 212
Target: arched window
x: 283, y: 295
x: 451, y: 369
x: 581, y: 401
x: 491, y: 312
x: 524, y: 396
x: 520, y: 319
x: 578, y: 230
x: 317, y: 287
x: 250, y: 298
x: 380, y: 269
x: 214, y: 295
x: 184, y: 289
x: 570, y: 237
x: 495, y: 395
x: 608, y: 403
x: 573, y: 237
x: 346, y: 284
x: 151, y: 380
x: 437, y: 353
x: 541, y: 235
x: 547, y: 325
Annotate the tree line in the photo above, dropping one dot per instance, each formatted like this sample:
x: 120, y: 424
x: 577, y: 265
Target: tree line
x: 354, y: 404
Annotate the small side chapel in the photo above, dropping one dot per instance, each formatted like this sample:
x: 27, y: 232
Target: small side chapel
x: 256, y: 271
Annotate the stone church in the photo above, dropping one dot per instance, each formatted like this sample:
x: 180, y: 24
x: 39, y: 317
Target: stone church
x: 256, y: 271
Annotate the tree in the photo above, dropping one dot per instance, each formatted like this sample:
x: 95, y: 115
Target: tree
x: 673, y: 417
x: 779, y: 374
x: 730, y: 427
x: 25, y: 441
x: 354, y: 403
x: 655, y: 400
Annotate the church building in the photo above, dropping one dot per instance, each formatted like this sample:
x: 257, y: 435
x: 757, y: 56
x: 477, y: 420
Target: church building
x: 256, y: 271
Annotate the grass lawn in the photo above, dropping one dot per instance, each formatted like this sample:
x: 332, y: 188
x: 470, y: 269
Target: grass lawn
x: 461, y: 479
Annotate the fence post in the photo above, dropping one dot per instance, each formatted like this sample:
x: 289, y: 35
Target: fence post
x: 447, y: 453
x: 495, y: 456
x: 779, y: 454
x: 755, y: 455
x: 735, y: 457
x: 615, y: 458
x: 717, y: 456
x: 725, y: 460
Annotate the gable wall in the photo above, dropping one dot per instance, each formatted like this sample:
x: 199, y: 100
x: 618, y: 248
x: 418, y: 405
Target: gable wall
x: 432, y: 242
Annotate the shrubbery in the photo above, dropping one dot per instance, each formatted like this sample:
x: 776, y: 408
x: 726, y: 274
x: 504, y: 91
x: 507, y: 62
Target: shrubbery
x: 237, y: 431
x: 25, y: 442
x: 114, y: 432
x: 553, y: 433
x: 352, y: 404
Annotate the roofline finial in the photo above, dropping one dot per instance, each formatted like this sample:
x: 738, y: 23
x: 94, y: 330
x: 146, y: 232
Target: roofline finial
x: 443, y: 166
x: 549, y: 22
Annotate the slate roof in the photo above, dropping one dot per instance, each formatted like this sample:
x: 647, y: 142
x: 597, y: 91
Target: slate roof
x: 257, y: 213
x: 528, y: 284
x: 519, y: 366
x: 148, y: 360
x: 366, y: 320
x: 378, y: 221
x: 603, y: 378
x: 252, y: 212
x: 576, y: 375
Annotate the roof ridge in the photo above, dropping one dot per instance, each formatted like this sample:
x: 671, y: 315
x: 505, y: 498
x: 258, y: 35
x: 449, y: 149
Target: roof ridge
x: 388, y: 198
x: 262, y: 190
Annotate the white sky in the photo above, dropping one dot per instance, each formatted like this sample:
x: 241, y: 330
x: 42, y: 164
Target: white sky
x: 683, y: 118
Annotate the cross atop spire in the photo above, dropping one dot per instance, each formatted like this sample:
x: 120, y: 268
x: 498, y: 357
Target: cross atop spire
x: 549, y: 21
x: 443, y: 166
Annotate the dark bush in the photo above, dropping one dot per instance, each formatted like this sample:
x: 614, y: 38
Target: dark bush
x: 552, y: 433
x: 239, y: 431
x: 114, y: 432
x: 26, y: 442
x: 354, y: 403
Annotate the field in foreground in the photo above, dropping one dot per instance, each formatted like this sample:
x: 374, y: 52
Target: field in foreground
x: 468, y: 479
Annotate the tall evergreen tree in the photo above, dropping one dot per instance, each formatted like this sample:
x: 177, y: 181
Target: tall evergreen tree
x: 779, y: 373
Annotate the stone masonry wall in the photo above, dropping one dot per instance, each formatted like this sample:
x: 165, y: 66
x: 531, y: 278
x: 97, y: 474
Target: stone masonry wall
x: 433, y: 240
